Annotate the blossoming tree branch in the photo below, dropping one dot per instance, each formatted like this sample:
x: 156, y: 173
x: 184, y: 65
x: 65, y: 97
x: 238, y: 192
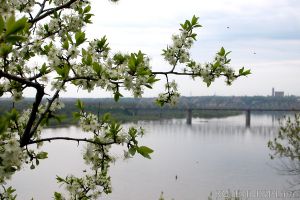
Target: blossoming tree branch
x: 42, y: 43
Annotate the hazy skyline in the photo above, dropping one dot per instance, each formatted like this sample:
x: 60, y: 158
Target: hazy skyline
x: 263, y: 35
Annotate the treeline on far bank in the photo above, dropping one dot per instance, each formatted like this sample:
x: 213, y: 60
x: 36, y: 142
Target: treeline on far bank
x: 131, y: 109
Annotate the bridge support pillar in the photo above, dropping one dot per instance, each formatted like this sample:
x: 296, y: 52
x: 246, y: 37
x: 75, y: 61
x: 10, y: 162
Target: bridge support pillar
x: 189, y: 116
x: 248, y: 118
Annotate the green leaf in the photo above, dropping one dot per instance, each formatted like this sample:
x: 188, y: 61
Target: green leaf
x: 152, y: 80
x: 2, y: 24
x: 117, y: 96
x: 228, y: 61
x: 69, y: 38
x: 87, y: 9
x: 59, y: 179
x: 241, y: 70
x: 59, y: 71
x: 222, y: 51
x: 42, y: 155
x: 106, y: 117
x: 97, y: 68
x: 144, y: 151
x: 87, y: 18
x: 119, y: 59
x: 132, y: 64
x: 10, y: 190
x: 143, y: 71
x: 159, y: 102
x: 76, y: 115
x: 89, y: 60
x: 227, y: 53
x: 14, y: 114
x: 43, y: 69
x: 66, y: 45
x: 55, y: 14
x: 194, y: 20
x: 79, y: 104
x: 189, y: 25
x: 14, y: 38
x: 80, y: 38
x: 63, y: 72
x: 197, y: 26
x: 58, y: 196
x: 183, y: 26
x: 194, y: 35
x: 140, y: 57
x: 132, y: 151
x: 10, y: 22
x: 216, y: 65
x: 132, y: 132
x: 115, y: 128
x: 80, y: 10
x: 15, y: 27
x: 102, y: 43
x: 5, y: 49
x: 3, y: 124
x: 247, y: 72
x: 47, y: 48
x: 84, y: 52
x: 46, y: 27
x: 8, y: 193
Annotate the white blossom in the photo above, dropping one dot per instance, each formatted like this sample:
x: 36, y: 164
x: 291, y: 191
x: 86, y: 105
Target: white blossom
x: 89, y: 123
x: 73, y: 52
x: 11, y: 158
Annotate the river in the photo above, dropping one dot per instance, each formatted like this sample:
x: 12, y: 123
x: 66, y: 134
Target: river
x: 189, y: 162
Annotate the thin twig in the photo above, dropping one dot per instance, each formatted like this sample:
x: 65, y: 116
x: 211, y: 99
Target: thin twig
x: 51, y: 11
x: 70, y: 139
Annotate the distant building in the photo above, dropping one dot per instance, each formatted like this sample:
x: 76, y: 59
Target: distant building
x: 277, y: 93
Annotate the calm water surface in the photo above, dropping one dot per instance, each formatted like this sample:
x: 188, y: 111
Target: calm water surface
x: 209, y: 156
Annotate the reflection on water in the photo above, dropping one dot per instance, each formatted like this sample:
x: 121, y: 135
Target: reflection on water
x: 209, y: 156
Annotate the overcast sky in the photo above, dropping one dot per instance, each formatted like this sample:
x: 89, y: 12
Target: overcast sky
x: 263, y: 35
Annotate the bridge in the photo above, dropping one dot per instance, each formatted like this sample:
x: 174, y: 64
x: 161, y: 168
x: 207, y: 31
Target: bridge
x: 189, y: 111
x: 246, y: 110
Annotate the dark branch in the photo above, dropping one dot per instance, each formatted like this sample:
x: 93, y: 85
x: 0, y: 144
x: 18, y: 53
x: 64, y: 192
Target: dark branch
x: 88, y: 78
x: 39, y: 75
x: 42, y: 5
x: 187, y: 74
x: 174, y: 73
x: 27, y: 132
x: 51, y: 11
x: 19, y: 79
x: 71, y: 139
x: 43, y: 115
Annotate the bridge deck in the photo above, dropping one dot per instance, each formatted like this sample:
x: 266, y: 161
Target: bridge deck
x: 226, y: 109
